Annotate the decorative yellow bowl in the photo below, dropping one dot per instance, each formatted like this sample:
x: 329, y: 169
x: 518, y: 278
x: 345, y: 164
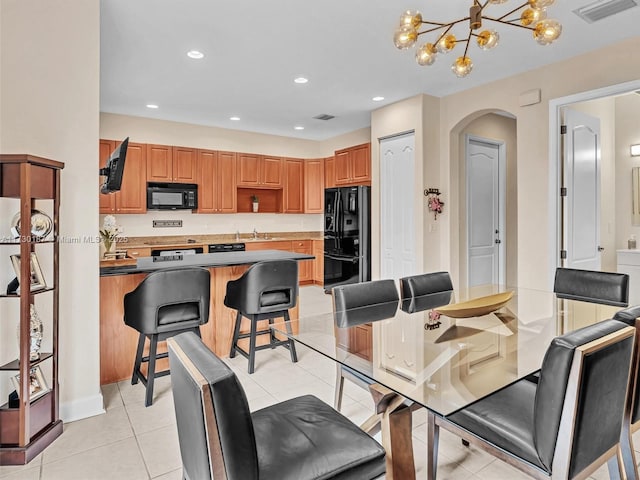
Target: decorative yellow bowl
x: 476, y: 307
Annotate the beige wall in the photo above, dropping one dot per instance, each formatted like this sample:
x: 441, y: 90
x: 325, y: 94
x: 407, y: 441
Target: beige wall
x: 49, y: 85
x: 402, y: 117
x: 605, y: 110
x: 615, y: 65
x: 627, y: 134
x: 145, y: 130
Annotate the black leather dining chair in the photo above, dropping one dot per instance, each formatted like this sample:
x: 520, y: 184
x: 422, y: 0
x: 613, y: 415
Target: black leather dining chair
x: 298, y: 439
x: 606, y: 288
x: 353, y: 305
x: 565, y: 426
x: 267, y: 290
x: 425, y: 291
x: 167, y: 302
x: 631, y: 316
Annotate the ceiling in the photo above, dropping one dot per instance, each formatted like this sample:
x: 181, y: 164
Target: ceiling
x: 255, y: 48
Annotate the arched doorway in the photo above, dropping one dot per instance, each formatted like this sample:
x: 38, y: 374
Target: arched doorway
x: 469, y: 230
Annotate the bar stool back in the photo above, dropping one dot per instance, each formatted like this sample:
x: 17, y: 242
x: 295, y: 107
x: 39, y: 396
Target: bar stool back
x: 266, y: 291
x: 166, y: 302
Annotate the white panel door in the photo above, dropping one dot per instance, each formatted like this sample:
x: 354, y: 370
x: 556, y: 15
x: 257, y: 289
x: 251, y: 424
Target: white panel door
x: 485, y: 212
x: 581, y: 210
x: 397, y: 207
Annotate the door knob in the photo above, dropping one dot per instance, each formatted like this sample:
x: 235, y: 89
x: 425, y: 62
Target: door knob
x: 600, y: 249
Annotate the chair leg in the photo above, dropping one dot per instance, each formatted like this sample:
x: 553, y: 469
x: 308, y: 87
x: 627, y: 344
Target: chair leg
x: 151, y: 372
x: 626, y: 457
x: 252, y: 344
x: 138, y: 360
x: 292, y: 346
x: 337, y: 402
x: 236, y: 333
x: 272, y: 335
x: 433, y: 436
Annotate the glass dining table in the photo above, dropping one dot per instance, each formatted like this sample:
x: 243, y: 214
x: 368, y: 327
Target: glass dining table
x: 443, y: 361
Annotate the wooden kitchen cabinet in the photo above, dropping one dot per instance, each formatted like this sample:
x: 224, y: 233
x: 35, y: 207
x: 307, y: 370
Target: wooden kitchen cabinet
x: 318, y: 262
x: 353, y: 165
x: 274, y: 245
x: 166, y: 163
x: 357, y: 340
x: 138, y: 252
x: 314, y: 186
x: 255, y: 170
x: 329, y: 172
x: 107, y: 202
x: 293, y: 185
x: 132, y: 197
x: 216, y: 179
x: 305, y: 267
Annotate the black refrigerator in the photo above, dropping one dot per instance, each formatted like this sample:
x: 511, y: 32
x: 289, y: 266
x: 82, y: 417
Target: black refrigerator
x: 347, y: 236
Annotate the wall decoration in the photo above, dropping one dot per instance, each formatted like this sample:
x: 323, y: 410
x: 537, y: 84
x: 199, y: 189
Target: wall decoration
x: 433, y: 201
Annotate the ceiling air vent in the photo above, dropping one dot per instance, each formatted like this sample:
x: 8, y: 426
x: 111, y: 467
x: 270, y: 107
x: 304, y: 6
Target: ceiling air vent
x: 603, y: 8
x: 324, y: 116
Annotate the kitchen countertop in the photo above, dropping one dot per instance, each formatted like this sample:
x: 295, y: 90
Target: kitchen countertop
x: 196, y: 240
x: 223, y: 259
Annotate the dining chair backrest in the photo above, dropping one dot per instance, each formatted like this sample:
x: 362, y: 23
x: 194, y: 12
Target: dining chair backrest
x: 607, y: 288
x: 358, y: 303
x: 215, y: 429
x: 426, y: 291
x: 631, y: 316
x: 581, y: 395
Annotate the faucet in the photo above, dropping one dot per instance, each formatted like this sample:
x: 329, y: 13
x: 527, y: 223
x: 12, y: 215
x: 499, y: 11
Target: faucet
x: 255, y: 234
x: 237, y: 235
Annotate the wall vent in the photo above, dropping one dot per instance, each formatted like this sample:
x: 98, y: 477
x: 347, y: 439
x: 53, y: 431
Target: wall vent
x: 603, y: 8
x: 324, y: 116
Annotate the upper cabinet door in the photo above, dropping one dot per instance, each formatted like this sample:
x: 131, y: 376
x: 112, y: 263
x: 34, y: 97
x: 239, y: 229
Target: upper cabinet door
x: 293, y: 188
x: 329, y: 172
x: 132, y: 197
x: 314, y: 186
x: 271, y: 171
x: 159, y: 163
x: 107, y: 202
x: 361, y: 163
x: 184, y: 165
x: 343, y: 167
x: 207, y: 161
x: 248, y: 170
x: 226, y: 183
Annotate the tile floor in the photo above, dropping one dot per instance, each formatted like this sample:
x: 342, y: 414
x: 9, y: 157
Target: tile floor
x: 134, y: 442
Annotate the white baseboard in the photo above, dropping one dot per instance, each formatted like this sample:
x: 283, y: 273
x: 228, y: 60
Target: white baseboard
x: 82, y: 408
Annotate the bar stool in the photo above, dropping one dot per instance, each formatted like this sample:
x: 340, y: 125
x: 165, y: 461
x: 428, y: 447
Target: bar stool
x: 166, y: 303
x: 267, y: 290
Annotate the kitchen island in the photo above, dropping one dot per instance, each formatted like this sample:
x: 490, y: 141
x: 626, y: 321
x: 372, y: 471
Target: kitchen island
x: 118, y: 342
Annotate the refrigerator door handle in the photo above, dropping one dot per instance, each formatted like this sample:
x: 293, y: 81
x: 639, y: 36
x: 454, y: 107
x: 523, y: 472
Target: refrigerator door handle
x: 342, y: 258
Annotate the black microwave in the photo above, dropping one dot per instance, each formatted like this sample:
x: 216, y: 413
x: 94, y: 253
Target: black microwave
x: 172, y: 196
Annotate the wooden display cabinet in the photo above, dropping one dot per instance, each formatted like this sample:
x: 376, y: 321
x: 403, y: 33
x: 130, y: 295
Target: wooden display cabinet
x: 26, y: 430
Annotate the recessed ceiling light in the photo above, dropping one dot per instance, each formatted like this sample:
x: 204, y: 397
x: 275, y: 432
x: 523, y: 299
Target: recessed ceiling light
x: 152, y: 105
x: 235, y: 119
x: 298, y: 127
x: 377, y: 99
x: 301, y: 80
x: 195, y: 54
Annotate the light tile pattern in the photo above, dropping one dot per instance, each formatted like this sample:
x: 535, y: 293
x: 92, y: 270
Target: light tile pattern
x: 133, y: 442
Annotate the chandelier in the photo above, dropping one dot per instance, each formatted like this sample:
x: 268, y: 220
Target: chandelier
x: 531, y: 15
